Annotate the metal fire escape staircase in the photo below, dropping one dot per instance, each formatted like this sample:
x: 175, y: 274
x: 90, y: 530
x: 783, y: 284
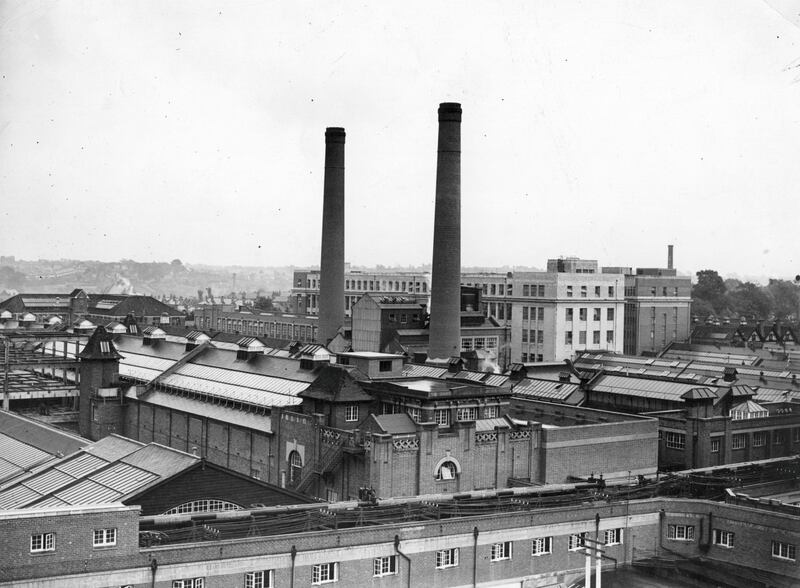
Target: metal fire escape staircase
x: 328, y: 461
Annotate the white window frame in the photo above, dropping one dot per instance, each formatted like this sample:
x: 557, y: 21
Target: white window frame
x: 577, y: 541
x: 447, y: 465
x: 43, y: 542
x: 784, y: 550
x: 739, y: 441
x: 104, y: 537
x: 716, y: 443
x: 447, y: 558
x: 414, y: 413
x: 384, y: 566
x: 467, y: 413
x: 680, y: 532
x: 759, y: 438
x: 189, y: 583
x: 612, y: 537
x: 541, y: 546
x: 442, y: 417
x: 325, y: 573
x: 351, y: 413
x: 491, y: 412
x: 259, y: 579
x: 675, y: 440
x: 501, y: 551
x: 723, y: 538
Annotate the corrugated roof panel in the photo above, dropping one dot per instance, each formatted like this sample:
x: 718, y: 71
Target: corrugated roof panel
x: 81, y: 465
x: 466, y: 375
x: 161, y: 460
x: 88, y: 492
x: 123, y: 478
x: 113, y: 448
x: 545, y: 389
x: 20, y: 454
x: 138, y: 373
x: 224, y: 414
x: 496, y: 380
x: 17, y: 497
x: 661, y: 389
x: 482, y: 425
x: 8, y: 469
x: 48, y: 481
x: 50, y: 502
x: 412, y: 370
x: 146, y: 361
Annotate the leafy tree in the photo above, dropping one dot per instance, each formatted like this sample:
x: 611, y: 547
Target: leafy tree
x: 702, y: 308
x: 785, y: 299
x: 710, y: 287
x: 749, y: 300
x: 263, y: 303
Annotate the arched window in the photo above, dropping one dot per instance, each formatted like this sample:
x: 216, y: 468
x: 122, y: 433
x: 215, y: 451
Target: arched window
x: 447, y: 470
x: 206, y: 505
x: 295, y: 467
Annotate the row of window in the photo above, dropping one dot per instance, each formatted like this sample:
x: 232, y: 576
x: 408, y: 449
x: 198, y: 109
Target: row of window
x: 441, y: 416
x: 723, y: 538
x: 533, y: 313
x: 268, y: 329
x: 470, y: 343
x: 738, y: 440
x: 569, y: 337
x: 531, y: 357
x: 42, y: 542
x: 583, y: 313
x: 584, y: 291
x: 379, y: 285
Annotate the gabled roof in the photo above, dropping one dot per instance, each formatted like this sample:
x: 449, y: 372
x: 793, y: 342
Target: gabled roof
x: 396, y: 424
x: 701, y: 393
x: 121, y: 305
x: 100, y: 346
x: 337, y: 384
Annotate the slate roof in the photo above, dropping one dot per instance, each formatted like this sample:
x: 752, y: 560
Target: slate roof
x: 642, y: 387
x: 337, y: 384
x: 545, y: 389
x: 397, y: 424
x: 100, y: 346
x: 121, y: 305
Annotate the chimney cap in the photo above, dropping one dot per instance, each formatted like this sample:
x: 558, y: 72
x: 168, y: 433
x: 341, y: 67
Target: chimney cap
x: 334, y: 135
x: 450, y: 111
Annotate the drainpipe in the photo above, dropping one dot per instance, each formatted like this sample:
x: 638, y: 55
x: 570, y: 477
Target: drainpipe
x: 153, y: 568
x: 293, y: 553
x: 404, y: 556
x: 475, y: 557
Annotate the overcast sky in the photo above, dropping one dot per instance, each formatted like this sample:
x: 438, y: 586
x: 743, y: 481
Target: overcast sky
x: 153, y: 130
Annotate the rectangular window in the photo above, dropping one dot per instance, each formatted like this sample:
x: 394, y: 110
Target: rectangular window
x: 597, y: 291
x: 189, y: 583
x: 569, y: 291
x: 325, y: 573
x: 43, y: 542
x: 596, y: 314
x: 351, y: 413
x: 569, y: 314
x: 541, y: 290
x: 610, y: 314
x: 675, y: 440
x: 715, y: 445
x: 540, y: 313
x: 542, y: 545
x: 584, y: 292
x: 609, y: 336
x: 783, y: 550
x: 577, y: 542
x: 491, y: 412
x: 796, y: 435
x: 680, y: 532
x: 739, y: 441
x: 467, y: 414
x: 442, y: 417
x: 596, y: 337
x: 581, y: 337
x: 524, y: 335
x: 414, y: 413
x: 385, y: 365
x: 384, y: 566
x: 446, y: 558
x: 778, y: 438
x: 759, y: 438
x: 501, y: 551
x: 104, y: 537
x: 260, y: 579
x: 524, y: 313
x: 568, y: 338
x: 613, y: 537
x: 611, y: 291
x: 723, y: 538
x: 582, y: 314
x: 526, y: 290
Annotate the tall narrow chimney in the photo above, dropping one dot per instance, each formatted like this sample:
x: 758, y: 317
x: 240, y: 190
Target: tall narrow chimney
x: 669, y: 257
x: 331, y: 279
x: 445, y: 327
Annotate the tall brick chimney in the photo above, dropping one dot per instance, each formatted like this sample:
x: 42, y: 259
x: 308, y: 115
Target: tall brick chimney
x: 669, y: 257
x: 331, y: 280
x: 445, y: 326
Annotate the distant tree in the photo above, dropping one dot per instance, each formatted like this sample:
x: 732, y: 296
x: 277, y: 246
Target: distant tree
x: 702, y: 308
x: 11, y: 278
x: 784, y: 297
x: 263, y: 303
x: 711, y: 288
x: 749, y: 300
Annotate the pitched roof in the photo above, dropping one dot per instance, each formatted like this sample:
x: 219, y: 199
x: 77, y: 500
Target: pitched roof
x: 337, y: 384
x: 701, y: 393
x: 398, y: 424
x: 100, y: 346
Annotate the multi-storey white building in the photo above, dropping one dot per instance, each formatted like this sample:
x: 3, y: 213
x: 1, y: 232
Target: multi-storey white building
x: 550, y: 316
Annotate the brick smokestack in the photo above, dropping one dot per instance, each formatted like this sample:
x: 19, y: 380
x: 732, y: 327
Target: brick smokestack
x: 331, y: 279
x: 445, y: 326
x: 670, y: 264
